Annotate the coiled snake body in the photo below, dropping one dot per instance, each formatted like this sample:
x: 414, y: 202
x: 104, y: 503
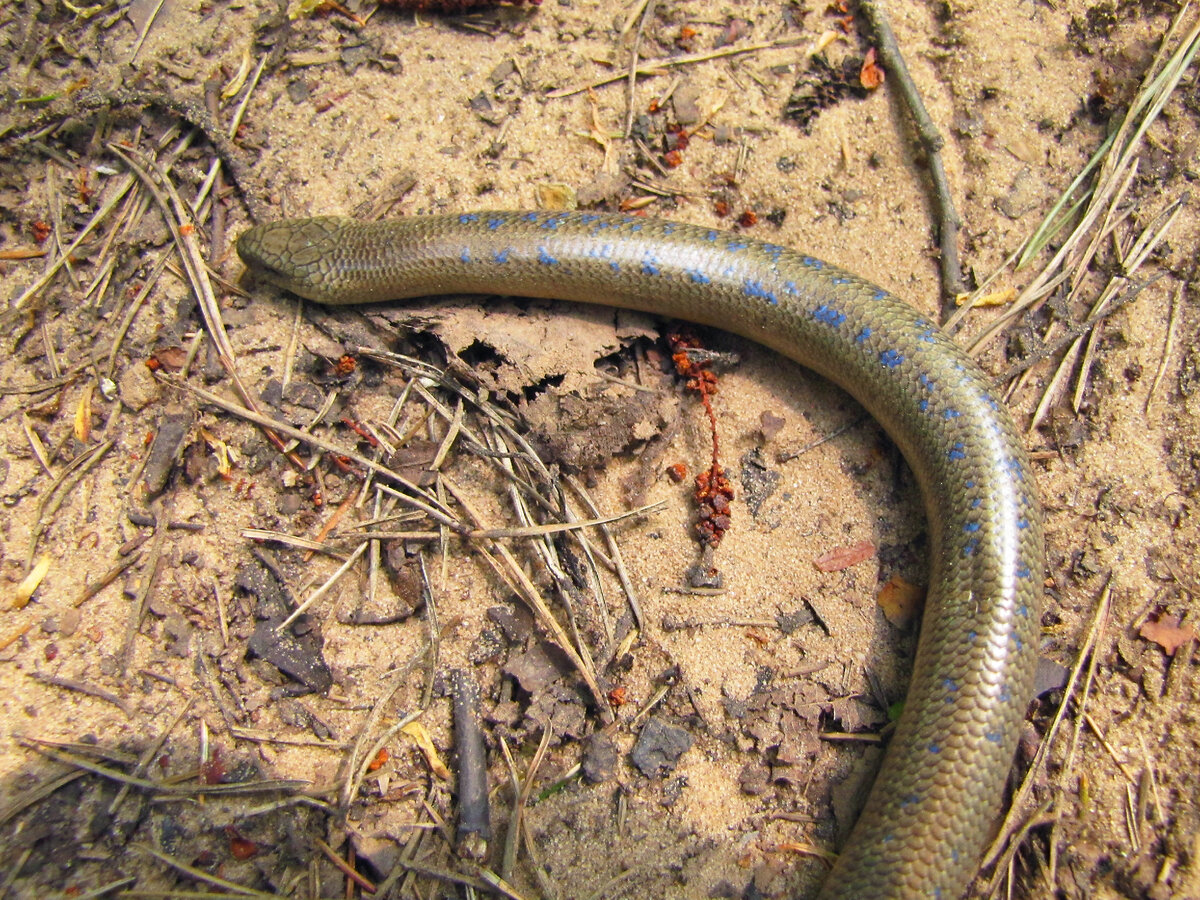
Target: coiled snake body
x: 939, y: 789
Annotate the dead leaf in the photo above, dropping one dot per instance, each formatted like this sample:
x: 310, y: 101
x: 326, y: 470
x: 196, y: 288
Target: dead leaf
x: 900, y: 600
x: 30, y: 583
x: 844, y: 557
x: 420, y: 734
x: 83, y: 416
x: 871, y: 76
x: 1167, y: 633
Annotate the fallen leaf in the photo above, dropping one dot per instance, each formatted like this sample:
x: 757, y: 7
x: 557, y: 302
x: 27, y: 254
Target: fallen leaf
x: 995, y: 298
x: 420, y: 734
x: 871, y: 76
x: 83, y: 416
x: 900, y: 600
x: 1167, y: 633
x: 30, y: 583
x: 844, y: 557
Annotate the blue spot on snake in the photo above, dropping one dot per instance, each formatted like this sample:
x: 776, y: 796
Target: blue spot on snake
x: 891, y: 358
x: 545, y: 258
x: 971, y: 527
x: 531, y: 217
x: 494, y: 222
x: 467, y: 218
x: 650, y: 265
x: 829, y: 315
x: 995, y: 737
x: 812, y: 262
x: 736, y: 246
x: 935, y: 748
x: 588, y: 218
x: 950, y: 413
x: 924, y: 405
x: 501, y: 256
x: 712, y: 235
x: 756, y: 290
x: 698, y: 277
x: 862, y: 335
x: 465, y: 256
x: 957, y: 451
x: 970, y: 547
x: 879, y: 294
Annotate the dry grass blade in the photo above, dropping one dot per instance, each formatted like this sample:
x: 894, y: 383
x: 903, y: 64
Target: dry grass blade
x: 1017, y: 814
x: 362, y: 754
x: 115, y: 197
x: 497, y: 440
x: 184, y: 895
x: 1160, y: 81
x: 483, y: 881
x: 134, y: 306
x: 183, y: 230
x: 99, y: 891
x: 36, y: 794
x: 1111, y: 164
x: 1131, y: 253
x: 149, y: 754
x: 539, y: 531
x: 615, y: 561
x: 657, y: 66
x: 292, y: 540
x: 158, y: 787
x: 506, y: 567
x: 81, y: 687
x: 429, y: 506
x: 202, y: 876
x: 344, y: 867
x: 1168, y: 347
x: 324, y: 588
x: 58, y: 491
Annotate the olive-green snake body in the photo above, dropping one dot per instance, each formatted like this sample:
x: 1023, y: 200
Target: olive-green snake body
x: 940, y: 787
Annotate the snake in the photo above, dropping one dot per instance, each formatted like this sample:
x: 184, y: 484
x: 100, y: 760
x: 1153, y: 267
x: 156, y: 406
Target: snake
x: 938, y: 794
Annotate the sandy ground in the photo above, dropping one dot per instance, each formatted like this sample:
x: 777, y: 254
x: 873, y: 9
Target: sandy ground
x: 409, y: 114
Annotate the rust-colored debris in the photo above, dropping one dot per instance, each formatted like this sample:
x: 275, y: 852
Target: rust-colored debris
x: 713, y: 491
x: 453, y: 6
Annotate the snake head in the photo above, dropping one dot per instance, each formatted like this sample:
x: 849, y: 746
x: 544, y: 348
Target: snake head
x: 293, y: 254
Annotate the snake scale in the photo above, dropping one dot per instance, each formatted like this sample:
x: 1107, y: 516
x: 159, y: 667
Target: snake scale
x: 939, y: 790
